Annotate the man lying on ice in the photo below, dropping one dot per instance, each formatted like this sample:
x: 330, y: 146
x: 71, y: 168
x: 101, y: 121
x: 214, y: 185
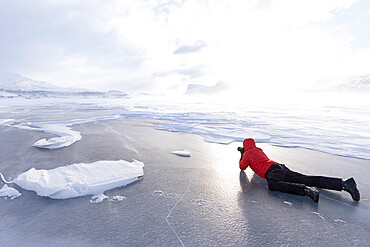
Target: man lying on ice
x: 280, y: 178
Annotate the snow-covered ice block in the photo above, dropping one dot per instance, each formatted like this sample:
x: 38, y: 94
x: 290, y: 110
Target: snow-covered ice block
x: 80, y: 179
x: 9, y: 192
x: 182, y: 153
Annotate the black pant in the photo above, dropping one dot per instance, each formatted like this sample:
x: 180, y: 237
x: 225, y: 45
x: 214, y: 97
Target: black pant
x: 280, y: 178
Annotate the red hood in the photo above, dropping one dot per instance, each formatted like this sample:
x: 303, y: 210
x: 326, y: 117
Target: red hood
x: 249, y: 143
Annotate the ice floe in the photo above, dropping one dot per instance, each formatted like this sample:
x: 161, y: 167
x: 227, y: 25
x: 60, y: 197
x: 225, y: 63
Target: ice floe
x: 9, y: 192
x: 80, y: 179
x: 62, y: 129
x: 184, y: 153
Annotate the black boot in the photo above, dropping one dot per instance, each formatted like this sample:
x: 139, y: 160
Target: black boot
x: 350, y: 186
x: 313, y: 193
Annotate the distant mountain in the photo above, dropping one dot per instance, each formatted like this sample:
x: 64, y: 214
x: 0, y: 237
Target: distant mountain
x: 194, y: 89
x: 14, y: 85
x: 357, y: 83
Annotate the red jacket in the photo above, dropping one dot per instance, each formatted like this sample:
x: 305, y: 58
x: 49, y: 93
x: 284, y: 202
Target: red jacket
x: 255, y: 158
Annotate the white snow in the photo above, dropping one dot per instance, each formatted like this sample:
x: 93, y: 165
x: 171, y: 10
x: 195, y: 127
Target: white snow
x: 9, y: 192
x: 80, y: 179
x: 184, y: 153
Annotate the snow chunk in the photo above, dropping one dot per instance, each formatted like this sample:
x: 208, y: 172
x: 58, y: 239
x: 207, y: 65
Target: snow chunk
x: 201, y: 202
x: 184, y: 153
x: 9, y: 192
x: 117, y: 198
x: 80, y: 179
x: 98, y: 198
x: 101, y: 197
x: 158, y: 193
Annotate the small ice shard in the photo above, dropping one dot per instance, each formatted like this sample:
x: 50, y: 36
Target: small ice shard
x: 184, y: 153
x: 318, y: 214
x: 341, y: 221
x: 98, y: 198
x: 80, y: 179
x: 288, y: 203
x: 254, y: 202
x: 117, y: 198
x: 158, y: 193
x: 9, y: 192
x: 201, y: 202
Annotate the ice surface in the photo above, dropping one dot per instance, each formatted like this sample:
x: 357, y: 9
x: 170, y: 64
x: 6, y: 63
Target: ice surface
x: 9, y: 192
x: 184, y: 153
x: 80, y: 179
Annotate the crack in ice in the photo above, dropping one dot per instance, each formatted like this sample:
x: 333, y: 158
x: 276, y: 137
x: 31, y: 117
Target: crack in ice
x: 171, y: 210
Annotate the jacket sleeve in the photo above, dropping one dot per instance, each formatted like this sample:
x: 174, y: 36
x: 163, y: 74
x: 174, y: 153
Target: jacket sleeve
x: 243, y: 163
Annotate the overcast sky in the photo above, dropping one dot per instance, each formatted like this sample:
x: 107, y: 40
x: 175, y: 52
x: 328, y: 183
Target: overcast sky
x: 165, y: 45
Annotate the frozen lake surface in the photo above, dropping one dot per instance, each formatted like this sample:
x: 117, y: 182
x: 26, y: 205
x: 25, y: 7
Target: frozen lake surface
x: 201, y: 200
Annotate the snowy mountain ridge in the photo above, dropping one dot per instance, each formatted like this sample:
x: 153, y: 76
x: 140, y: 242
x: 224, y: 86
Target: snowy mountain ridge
x: 357, y: 83
x: 14, y: 85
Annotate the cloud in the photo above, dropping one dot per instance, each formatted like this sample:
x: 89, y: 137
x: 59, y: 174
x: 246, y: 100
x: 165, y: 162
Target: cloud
x: 198, y: 46
x: 150, y: 45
